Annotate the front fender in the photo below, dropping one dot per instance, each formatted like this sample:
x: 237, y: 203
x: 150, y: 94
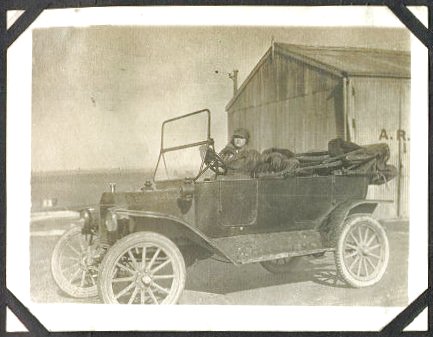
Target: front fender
x: 171, y: 226
x: 335, y: 218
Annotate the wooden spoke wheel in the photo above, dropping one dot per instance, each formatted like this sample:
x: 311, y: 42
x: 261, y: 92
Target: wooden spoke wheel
x: 142, y: 268
x: 362, y: 251
x: 280, y: 266
x: 74, y: 263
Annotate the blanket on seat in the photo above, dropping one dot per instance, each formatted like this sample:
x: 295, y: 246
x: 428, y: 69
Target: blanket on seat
x: 342, y: 158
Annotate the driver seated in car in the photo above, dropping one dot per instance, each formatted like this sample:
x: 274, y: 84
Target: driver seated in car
x: 236, y: 155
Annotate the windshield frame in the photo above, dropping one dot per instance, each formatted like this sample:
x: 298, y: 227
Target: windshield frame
x: 208, y: 142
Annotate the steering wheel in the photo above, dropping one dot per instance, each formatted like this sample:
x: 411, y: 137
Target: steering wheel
x: 215, y: 162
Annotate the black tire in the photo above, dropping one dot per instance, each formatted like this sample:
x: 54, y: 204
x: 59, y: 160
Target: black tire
x: 72, y: 264
x: 124, y: 279
x: 362, y: 251
x: 281, y: 266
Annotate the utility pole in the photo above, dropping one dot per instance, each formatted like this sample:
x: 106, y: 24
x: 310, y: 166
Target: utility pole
x: 234, y: 77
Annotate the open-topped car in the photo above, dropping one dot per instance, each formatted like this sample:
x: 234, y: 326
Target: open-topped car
x: 135, y: 248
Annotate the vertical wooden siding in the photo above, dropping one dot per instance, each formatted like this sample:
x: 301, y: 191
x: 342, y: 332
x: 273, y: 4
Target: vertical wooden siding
x: 289, y: 104
x: 383, y: 105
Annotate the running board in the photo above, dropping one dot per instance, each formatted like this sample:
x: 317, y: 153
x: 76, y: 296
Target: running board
x: 250, y: 248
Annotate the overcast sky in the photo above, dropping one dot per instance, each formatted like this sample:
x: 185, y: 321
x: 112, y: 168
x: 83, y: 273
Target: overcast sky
x: 100, y: 94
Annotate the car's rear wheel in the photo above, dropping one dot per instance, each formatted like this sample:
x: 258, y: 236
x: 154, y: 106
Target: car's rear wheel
x: 362, y: 251
x: 280, y: 266
x: 74, y: 264
x: 142, y: 268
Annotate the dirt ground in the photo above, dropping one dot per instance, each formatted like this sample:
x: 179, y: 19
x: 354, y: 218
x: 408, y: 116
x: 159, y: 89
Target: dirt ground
x: 312, y: 282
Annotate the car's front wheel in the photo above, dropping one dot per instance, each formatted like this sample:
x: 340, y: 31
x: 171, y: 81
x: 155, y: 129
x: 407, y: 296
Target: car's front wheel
x: 362, y: 251
x: 142, y: 268
x: 74, y: 263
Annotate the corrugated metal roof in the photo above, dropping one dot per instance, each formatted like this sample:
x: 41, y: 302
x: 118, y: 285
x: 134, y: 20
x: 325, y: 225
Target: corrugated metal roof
x: 341, y: 61
x: 354, y: 61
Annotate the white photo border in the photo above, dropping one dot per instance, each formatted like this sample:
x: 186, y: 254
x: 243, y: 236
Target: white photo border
x: 57, y: 317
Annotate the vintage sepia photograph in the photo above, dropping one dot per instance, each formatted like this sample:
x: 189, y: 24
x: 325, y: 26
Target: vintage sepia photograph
x: 229, y: 165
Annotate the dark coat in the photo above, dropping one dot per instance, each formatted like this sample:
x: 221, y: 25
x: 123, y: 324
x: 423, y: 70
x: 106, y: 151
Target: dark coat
x: 239, y: 160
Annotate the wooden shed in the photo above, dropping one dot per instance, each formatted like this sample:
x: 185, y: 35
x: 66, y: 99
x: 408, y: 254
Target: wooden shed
x: 300, y: 97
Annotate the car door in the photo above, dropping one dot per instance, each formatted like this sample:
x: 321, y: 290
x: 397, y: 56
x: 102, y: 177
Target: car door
x: 277, y: 203
x: 314, y: 199
x: 238, y: 202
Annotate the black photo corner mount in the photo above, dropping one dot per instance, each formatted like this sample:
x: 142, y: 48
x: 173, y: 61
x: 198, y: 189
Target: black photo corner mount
x: 32, y: 9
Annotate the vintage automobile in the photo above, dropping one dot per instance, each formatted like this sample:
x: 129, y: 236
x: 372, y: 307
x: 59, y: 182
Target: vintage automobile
x: 135, y: 248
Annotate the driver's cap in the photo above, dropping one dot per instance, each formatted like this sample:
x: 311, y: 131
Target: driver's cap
x: 242, y: 133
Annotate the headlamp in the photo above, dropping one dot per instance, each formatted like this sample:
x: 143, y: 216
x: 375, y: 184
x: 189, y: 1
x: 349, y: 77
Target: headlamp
x: 111, y: 221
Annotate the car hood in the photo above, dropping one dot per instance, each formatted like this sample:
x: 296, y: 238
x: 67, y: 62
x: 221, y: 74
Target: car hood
x: 165, y: 201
